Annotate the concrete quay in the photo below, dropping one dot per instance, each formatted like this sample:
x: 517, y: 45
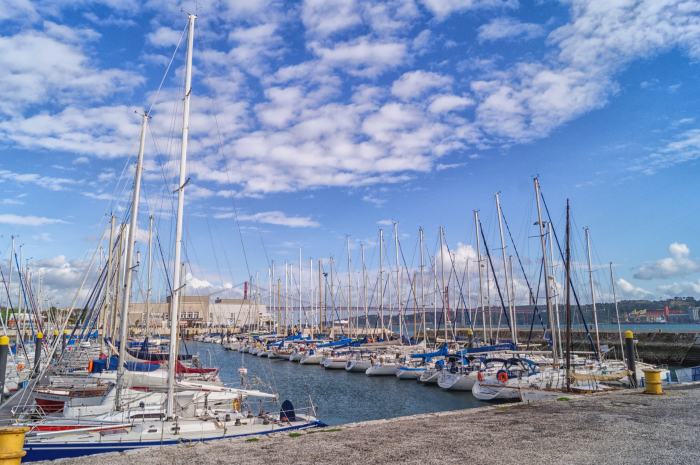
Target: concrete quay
x: 612, y: 428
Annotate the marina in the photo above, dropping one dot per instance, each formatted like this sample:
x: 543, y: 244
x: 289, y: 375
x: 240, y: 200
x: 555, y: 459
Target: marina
x: 346, y: 232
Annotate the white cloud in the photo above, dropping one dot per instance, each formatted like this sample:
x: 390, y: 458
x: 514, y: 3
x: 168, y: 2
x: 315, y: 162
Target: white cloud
x: 447, y: 103
x: 27, y: 220
x: 440, y: 166
x: 274, y: 217
x: 508, y: 28
x: 12, y: 202
x: 363, y: 56
x: 164, y: 37
x: 529, y: 99
x: 385, y: 222
x: 46, y: 237
x: 678, y: 264
x: 444, y: 8
x: 414, y: 83
x: 54, y: 184
x: 682, y: 289
x: 44, y: 67
x: 630, y: 292
x: 685, y: 148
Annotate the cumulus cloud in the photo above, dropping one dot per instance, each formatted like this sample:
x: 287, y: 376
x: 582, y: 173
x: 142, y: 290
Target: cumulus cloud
x: 685, y: 288
x: 414, y: 83
x: 629, y: 291
x: 508, y: 28
x: 27, y: 220
x: 274, y: 217
x: 444, y: 8
x: 678, y: 264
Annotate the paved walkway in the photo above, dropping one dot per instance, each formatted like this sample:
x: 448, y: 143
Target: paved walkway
x: 614, y: 428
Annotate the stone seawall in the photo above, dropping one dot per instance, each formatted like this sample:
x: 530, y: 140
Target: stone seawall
x: 674, y: 348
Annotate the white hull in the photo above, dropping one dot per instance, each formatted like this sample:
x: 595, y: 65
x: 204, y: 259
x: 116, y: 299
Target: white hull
x: 311, y: 359
x: 382, y: 370
x: 429, y: 376
x: 335, y: 363
x: 358, y: 365
x: 456, y: 381
x: 413, y: 373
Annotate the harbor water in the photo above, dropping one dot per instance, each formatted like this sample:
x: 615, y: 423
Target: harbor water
x: 341, y: 396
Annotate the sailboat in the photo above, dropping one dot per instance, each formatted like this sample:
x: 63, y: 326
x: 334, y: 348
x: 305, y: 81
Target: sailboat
x: 180, y: 417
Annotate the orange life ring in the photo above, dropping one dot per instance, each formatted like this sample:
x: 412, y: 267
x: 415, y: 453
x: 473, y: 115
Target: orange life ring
x: 90, y: 366
x: 480, y: 377
x: 20, y: 366
x: 503, y: 376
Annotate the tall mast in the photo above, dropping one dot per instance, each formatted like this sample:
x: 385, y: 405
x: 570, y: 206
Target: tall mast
x: 115, y: 289
x: 269, y: 291
x: 554, y: 286
x: 286, y: 295
x: 469, y: 296
x: 568, y: 301
x: 311, y: 293
x: 481, y: 279
x: 300, y: 318
x: 422, y: 280
x: 550, y: 320
x: 505, y: 272
x: 150, y: 271
x: 398, y: 280
x: 617, y: 313
x: 320, y: 300
x: 126, y: 299
x: 442, y: 267
x: 332, y: 298
x: 512, y: 293
x: 364, y: 284
x: 175, y: 300
x: 9, y: 284
x: 19, y: 295
x: 590, y: 273
x: 381, y: 281
x: 103, y: 316
x: 347, y: 241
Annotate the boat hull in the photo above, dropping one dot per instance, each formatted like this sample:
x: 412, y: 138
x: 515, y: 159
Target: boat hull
x: 456, y: 382
x: 53, y: 451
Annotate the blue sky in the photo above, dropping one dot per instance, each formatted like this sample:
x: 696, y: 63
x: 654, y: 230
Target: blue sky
x: 340, y: 117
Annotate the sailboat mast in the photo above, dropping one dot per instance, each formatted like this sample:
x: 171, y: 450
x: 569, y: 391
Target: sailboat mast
x: 126, y: 299
x: 481, y: 279
x: 300, y: 317
x: 505, y: 271
x: 554, y: 285
x: 381, y: 281
x: 550, y: 320
x: 332, y: 298
x: 320, y: 300
x: 103, y: 317
x: 442, y: 268
x: 590, y: 274
x: 568, y: 301
x: 617, y: 313
x: 150, y: 271
x: 422, y: 280
x: 347, y: 241
x: 398, y: 280
x: 364, y: 284
x: 175, y: 300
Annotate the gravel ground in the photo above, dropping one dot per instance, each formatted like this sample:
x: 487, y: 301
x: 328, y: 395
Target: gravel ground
x: 623, y: 427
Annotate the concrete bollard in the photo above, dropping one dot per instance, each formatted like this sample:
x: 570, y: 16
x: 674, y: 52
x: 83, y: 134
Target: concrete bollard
x: 4, y: 346
x: 37, y: 352
x: 11, y: 443
x: 629, y: 348
x: 652, y: 381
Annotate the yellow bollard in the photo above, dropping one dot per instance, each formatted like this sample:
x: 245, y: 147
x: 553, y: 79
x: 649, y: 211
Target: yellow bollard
x: 652, y: 380
x: 11, y: 443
